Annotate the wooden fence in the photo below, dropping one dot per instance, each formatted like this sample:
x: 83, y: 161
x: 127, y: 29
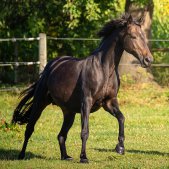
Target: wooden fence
x: 43, y: 51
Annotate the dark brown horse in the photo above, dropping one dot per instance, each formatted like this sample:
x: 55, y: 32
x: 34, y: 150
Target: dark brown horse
x: 84, y: 85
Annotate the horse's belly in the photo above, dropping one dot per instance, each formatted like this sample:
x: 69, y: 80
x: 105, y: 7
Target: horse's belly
x: 97, y: 105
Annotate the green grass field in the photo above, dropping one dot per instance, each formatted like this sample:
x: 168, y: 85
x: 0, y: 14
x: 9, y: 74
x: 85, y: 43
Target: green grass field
x: 146, y: 108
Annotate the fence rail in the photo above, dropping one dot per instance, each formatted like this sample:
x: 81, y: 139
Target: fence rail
x: 160, y: 50
x: 43, y: 50
x: 38, y: 63
x: 98, y: 39
x: 19, y: 39
x: 18, y: 63
x: 67, y: 38
x: 153, y: 65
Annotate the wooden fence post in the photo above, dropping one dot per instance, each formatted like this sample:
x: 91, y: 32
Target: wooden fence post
x: 42, y: 51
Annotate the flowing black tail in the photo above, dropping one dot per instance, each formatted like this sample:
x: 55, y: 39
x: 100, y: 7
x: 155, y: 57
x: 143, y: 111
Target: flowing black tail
x: 23, y: 110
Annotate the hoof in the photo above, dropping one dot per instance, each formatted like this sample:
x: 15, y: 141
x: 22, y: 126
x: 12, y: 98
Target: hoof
x: 67, y: 158
x: 120, y: 149
x: 84, y: 160
x: 21, y: 156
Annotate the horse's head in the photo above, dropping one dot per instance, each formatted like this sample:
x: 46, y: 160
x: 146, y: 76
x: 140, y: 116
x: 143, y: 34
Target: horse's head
x: 134, y: 42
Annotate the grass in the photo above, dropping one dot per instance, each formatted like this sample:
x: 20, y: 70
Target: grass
x: 146, y: 108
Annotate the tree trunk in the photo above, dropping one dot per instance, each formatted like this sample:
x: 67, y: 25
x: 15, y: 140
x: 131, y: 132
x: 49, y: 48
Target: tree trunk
x: 128, y: 62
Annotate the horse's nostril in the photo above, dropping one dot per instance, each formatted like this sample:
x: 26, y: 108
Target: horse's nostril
x: 147, y: 59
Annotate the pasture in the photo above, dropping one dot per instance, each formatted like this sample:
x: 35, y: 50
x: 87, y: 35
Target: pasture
x: 146, y: 110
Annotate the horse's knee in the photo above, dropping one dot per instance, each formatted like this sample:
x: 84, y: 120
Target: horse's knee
x: 84, y: 135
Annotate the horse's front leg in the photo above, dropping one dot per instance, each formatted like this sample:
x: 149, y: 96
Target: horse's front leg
x: 85, y: 111
x: 112, y: 107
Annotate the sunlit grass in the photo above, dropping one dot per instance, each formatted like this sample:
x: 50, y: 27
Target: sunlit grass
x: 146, y: 108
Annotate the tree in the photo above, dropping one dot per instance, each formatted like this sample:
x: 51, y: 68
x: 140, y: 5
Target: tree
x: 160, y: 29
x: 71, y: 18
x: 75, y: 18
x: 137, y: 9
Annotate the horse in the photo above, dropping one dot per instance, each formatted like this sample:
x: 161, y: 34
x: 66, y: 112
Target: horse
x: 84, y: 85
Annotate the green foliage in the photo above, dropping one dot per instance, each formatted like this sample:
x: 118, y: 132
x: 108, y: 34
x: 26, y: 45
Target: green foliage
x: 160, y: 29
x: 58, y: 19
x: 70, y: 19
x: 55, y: 18
x: 141, y: 3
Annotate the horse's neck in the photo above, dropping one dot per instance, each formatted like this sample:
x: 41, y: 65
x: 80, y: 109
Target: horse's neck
x: 111, y: 51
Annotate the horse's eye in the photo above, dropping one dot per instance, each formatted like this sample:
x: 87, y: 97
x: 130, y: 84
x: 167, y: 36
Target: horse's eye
x: 133, y: 37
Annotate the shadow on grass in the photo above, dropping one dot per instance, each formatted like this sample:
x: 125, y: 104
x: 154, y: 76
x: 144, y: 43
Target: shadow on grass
x: 148, y: 152
x: 135, y: 152
x: 13, y: 155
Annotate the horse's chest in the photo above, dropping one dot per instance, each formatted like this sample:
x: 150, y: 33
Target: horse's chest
x: 98, y: 100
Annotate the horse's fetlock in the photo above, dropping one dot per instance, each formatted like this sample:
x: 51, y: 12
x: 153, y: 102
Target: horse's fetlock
x: 121, y: 139
x: 61, y: 138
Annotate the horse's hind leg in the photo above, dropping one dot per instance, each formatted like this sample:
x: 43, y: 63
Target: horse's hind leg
x: 36, y: 112
x: 62, y: 136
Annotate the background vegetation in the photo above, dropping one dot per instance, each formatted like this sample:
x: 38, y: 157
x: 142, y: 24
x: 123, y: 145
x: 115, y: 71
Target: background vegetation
x: 69, y: 19
x: 160, y: 30
x: 145, y: 105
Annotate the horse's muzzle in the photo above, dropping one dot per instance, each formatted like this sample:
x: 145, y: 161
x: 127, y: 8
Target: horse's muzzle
x: 147, y: 61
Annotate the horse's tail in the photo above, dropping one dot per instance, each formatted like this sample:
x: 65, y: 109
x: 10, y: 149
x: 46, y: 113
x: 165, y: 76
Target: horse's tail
x: 23, y: 110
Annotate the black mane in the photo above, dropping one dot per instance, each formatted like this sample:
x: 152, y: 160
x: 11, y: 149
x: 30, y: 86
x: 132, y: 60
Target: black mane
x: 109, y: 27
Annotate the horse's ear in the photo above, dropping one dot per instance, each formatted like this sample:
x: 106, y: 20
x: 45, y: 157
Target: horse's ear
x: 130, y: 19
